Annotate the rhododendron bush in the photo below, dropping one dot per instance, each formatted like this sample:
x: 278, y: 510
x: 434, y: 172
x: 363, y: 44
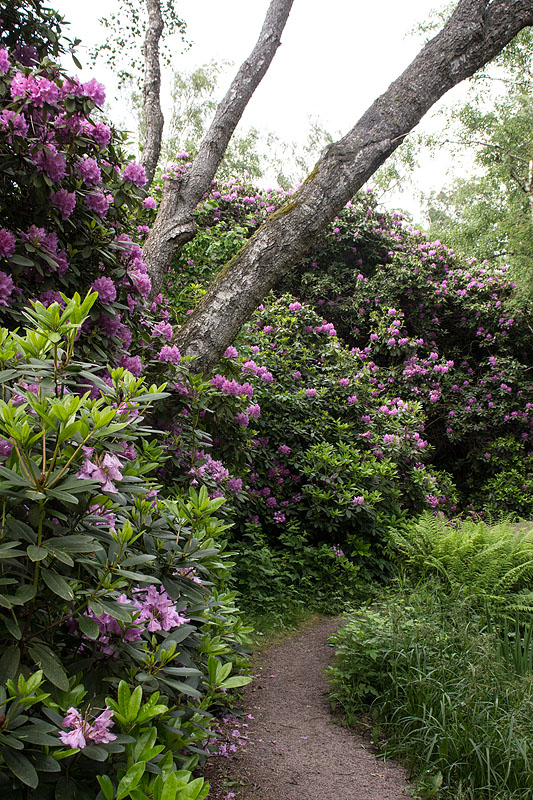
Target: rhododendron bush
x: 102, y: 580
x: 426, y: 329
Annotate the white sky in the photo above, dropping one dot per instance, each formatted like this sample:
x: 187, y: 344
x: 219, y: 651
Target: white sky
x: 336, y: 57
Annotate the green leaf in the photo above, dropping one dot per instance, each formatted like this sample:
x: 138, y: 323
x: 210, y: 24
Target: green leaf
x: 95, y: 753
x: 134, y: 704
x: 36, y: 553
x: 20, y: 767
x: 106, y: 786
x: 235, y: 681
x: 130, y: 780
x: 57, y: 584
x: 32, y: 734
x: 9, y: 663
x: 88, y: 626
x: 22, y: 261
x: 45, y: 659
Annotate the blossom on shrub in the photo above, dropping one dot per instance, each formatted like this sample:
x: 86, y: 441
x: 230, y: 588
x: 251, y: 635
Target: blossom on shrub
x: 105, y: 287
x: 65, y: 201
x: 83, y: 733
x: 134, y: 173
x: 169, y: 354
x: 106, y: 470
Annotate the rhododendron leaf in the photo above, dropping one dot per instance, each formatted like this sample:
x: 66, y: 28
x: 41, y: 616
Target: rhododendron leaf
x: 88, y: 626
x: 21, y: 767
x: 130, y: 780
x: 95, y: 753
x: 48, y: 662
x: 22, y: 261
x: 36, y: 553
x: 106, y: 786
x: 235, y: 681
x: 44, y: 763
x: 9, y: 663
x: 57, y: 584
x: 115, y: 610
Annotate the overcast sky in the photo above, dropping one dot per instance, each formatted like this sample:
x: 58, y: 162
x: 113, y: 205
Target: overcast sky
x: 336, y: 57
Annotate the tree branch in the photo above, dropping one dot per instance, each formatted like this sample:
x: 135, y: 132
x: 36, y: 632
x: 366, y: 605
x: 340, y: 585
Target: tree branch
x: 153, y: 116
x: 174, y: 224
x: 476, y: 32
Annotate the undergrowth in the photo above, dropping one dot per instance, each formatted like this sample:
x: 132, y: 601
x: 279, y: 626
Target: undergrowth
x: 442, y: 659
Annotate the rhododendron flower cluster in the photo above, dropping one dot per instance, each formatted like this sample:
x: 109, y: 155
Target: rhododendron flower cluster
x: 83, y: 733
x: 105, y: 469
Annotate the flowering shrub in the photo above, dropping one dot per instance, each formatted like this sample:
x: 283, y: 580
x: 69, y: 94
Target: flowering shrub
x: 424, y: 324
x: 102, y: 581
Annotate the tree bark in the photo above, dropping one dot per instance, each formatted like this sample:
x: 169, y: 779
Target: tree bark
x: 153, y: 116
x: 476, y: 32
x: 174, y: 224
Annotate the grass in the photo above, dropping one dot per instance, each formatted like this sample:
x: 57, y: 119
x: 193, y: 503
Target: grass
x: 442, y: 693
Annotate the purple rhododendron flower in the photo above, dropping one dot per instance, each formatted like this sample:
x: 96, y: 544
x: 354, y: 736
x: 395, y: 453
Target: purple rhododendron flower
x: 52, y: 163
x: 107, y: 471
x: 157, y: 609
x: 90, y: 172
x: 310, y: 392
x: 149, y: 202
x: 133, y: 364
x: 163, y: 329
x: 105, y: 287
x: 6, y: 288
x: 142, y: 283
x: 65, y: 201
x: 230, y: 352
x: 169, y: 354
x: 5, y: 449
x: 358, y: 501
x: 99, y: 202
x: 100, y: 133
x: 134, y: 173
x: 7, y: 243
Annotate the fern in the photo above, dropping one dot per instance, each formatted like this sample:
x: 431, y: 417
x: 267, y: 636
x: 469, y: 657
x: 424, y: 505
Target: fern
x: 492, y: 562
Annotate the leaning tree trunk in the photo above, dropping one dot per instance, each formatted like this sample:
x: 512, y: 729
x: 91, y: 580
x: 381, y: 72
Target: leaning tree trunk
x: 153, y: 116
x: 174, y: 224
x: 476, y: 32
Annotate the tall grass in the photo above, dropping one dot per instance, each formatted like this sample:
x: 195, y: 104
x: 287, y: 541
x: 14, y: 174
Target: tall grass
x: 441, y: 690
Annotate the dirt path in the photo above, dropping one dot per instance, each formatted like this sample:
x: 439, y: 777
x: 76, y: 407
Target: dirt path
x: 287, y: 746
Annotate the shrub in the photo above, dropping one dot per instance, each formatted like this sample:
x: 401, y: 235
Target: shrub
x: 107, y: 596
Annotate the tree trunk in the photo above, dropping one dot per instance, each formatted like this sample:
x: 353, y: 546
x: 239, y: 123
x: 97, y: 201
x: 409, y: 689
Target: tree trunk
x: 476, y: 32
x: 153, y: 116
x: 174, y: 224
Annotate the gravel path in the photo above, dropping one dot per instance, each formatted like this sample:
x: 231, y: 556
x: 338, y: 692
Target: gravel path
x: 293, y: 749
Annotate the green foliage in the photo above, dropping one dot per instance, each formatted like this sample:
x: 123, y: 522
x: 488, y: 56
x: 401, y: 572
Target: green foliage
x: 493, y: 564
x: 274, y: 581
x: 105, y: 588
x: 440, y: 691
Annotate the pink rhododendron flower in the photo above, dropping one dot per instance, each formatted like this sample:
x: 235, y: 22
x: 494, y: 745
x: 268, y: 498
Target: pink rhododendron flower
x: 83, y: 733
x: 94, y: 91
x: 149, y: 202
x: 4, y: 60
